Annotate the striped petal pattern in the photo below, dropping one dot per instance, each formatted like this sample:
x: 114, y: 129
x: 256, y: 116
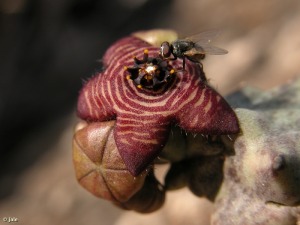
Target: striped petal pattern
x: 143, y: 116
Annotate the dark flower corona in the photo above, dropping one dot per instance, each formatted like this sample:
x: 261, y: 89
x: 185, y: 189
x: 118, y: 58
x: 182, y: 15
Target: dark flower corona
x: 151, y: 73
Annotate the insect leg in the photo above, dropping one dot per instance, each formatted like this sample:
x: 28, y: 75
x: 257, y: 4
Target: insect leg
x: 202, y: 74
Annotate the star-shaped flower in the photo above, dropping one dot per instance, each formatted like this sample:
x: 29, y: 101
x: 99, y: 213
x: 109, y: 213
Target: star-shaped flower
x: 143, y: 115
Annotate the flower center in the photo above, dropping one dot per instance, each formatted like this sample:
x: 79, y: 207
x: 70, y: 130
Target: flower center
x: 151, y: 72
x: 151, y: 69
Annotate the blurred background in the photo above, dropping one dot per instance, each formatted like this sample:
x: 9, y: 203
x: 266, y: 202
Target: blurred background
x: 49, y: 47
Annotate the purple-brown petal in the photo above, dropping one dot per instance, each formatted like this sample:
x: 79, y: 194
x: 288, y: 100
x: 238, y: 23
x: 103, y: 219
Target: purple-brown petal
x: 91, y: 105
x: 140, y: 141
x: 121, y: 48
x: 208, y: 113
x: 200, y: 108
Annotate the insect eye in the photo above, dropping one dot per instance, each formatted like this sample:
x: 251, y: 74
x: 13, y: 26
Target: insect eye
x: 165, y: 49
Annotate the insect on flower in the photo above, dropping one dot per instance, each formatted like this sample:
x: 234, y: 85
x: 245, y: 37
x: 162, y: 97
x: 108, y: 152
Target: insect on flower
x: 194, y: 47
x: 147, y: 97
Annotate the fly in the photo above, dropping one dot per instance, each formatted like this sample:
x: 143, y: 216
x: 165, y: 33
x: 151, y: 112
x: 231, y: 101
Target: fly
x: 193, y: 48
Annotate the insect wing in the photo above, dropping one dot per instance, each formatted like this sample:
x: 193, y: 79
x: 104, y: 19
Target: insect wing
x: 204, y: 37
x: 202, y: 44
x: 209, y: 49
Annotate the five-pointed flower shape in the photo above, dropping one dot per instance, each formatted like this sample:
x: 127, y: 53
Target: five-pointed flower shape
x: 143, y: 116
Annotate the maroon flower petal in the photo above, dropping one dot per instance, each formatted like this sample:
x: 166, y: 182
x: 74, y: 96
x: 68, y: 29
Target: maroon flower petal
x: 91, y: 106
x: 139, y: 141
x: 201, y: 109
x: 144, y: 116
